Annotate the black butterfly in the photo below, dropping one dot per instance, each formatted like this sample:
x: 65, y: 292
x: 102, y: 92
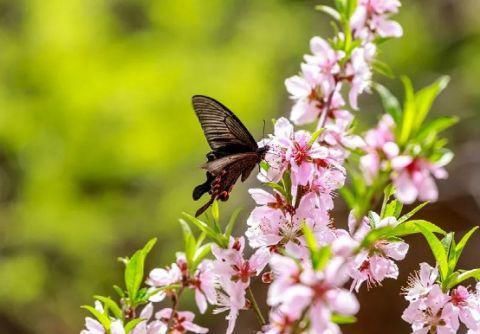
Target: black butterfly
x: 234, y: 152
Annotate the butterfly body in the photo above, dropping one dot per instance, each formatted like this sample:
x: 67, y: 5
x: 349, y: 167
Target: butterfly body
x: 234, y: 154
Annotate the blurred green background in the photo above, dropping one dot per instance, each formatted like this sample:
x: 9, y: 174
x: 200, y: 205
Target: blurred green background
x: 99, y: 147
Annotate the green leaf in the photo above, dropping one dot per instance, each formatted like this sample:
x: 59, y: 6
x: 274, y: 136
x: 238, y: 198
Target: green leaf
x: 383, y: 68
x: 101, y: 317
x: 474, y: 273
x: 434, y: 127
x: 219, y: 239
x: 323, y: 255
x: 341, y: 319
x: 409, y: 112
x: 410, y: 214
x: 310, y: 238
x: 215, y: 212
x: 410, y: 227
x: 437, y: 249
x: 264, y: 165
x: 276, y: 186
x: 315, y: 136
x: 132, y: 323
x: 134, y: 269
x: 119, y: 291
x: 390, y: 103
x: 425, y: 97
x: 112, y: 305
x: 329, y: 11
x: 201, y: 253
x: 387, y: 194
x: 189, y: 241
x: 463, y: 242
x: 231, y: 223
x: 376, y: 234
x: 447, y: 241
x: 393, y: 209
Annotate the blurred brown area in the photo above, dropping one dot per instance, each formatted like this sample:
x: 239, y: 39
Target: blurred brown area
x: 99, y: 146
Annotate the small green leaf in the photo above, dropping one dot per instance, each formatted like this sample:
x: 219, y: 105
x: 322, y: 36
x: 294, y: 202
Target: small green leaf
x: 410, y: 227
x: 310, y: 238
x: 219, y: 239
x: 343, y: 319
x: 474, y: 273
x: 264, y: 165
x: 410, y: 214
x: 409, y: 112
x: 119, y: 291
x: 315, y: 136
x: 376, y: 234
x: 201, y: 253
x: 425, y: 97
x: 101, y: 317
x: 390, y: 102
x: 189, y: 241
x: 463, y: 242
x: 437, y: 249
x: 383, y: 69
x: 276, y: 187
x: 231, y: 223
x: 434, y: 127
x: 134, y: 269
x: 112, y: 305
x: 215, y: 212
x: 323, y: 255
x: 132, y: 324
x: 393, y: 209
x: 387, y: 193
x: 329, y: 11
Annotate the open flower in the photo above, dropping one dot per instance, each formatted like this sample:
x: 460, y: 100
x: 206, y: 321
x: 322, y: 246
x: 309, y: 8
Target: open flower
x: 414, y: 177
x: 371, y: 19
x: 375, y: 264
x: 301, y: 290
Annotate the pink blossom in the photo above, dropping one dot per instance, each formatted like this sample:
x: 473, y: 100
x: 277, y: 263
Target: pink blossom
x: 232, y: 299
x: 432, y: 312
x: 312, y: 89
x: 278, y: 222
x: 161, y: 278
x: 414, y: 177
x: 371, y: 19
x: 149, y: 325
x: 380, y: 147
x: 182, y: 321
x: 231, y: 265
x: 359, y: 72
x: 468, y: 306
x: 296, y: 289
x: 375, y: 264
x: 204, y: 282
x: 421, y: 282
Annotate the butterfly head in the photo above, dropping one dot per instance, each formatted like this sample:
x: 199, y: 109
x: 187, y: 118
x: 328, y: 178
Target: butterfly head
x: 262, y: 151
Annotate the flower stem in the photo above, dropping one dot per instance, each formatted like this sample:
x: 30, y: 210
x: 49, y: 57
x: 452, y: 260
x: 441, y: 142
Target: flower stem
x: 260, y: 317
x: 175, y: 302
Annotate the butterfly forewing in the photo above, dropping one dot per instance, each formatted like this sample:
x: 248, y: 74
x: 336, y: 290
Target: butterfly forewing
x: 221, y: 127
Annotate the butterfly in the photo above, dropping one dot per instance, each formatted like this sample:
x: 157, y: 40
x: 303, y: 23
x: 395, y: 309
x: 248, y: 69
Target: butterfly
x: 234, y: 154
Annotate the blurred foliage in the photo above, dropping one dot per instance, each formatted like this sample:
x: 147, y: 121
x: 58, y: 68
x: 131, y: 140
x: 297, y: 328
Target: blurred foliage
x: 99, y: 146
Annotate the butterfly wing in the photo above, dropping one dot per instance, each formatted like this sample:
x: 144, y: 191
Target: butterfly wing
x: 236, y: 163
x: 223, y: 130
x: 222, y: 175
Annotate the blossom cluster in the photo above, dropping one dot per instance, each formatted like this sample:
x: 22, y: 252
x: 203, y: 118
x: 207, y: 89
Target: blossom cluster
x: 432, y: 309
x: 311, y: 268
